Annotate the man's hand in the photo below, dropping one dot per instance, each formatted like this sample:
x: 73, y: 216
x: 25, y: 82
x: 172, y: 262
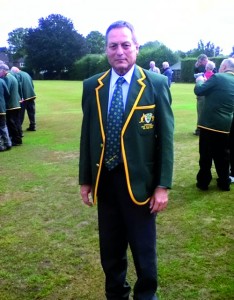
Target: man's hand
x: 200, y: 78
x: 159, y: 200
x: 85, y: 192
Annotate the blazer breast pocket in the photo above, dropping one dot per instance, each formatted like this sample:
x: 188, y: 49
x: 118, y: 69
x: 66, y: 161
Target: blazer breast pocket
x: 144, y: 119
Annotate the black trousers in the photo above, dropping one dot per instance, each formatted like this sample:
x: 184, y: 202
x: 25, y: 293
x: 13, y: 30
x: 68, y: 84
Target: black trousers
x: 4, y: 134
x: 29, y: 106
x: 213, y: 146
x: 200, y: 104
x: 14, y: 126
x: 121, y: 224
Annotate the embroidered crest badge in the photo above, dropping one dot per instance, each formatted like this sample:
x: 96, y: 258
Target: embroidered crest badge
x: 147, y: 121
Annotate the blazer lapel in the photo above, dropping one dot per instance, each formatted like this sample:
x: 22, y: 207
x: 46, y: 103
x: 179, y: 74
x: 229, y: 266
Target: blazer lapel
x: 102, y: 96
x: 136, y: 90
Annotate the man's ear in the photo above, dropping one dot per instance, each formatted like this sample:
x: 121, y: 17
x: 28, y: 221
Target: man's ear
x: 137, y: 48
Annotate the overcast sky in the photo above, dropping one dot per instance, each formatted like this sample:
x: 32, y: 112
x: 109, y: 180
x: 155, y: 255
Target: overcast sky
x: 179, y: 24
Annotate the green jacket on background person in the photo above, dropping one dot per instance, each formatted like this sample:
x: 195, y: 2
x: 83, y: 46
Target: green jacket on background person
x: 218, y: 108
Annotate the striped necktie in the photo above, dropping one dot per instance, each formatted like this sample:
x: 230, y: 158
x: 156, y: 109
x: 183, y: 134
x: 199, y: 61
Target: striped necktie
x: 114, y: 127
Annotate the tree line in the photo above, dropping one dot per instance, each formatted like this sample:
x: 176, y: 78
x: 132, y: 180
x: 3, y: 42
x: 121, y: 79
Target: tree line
x: 54, y: 48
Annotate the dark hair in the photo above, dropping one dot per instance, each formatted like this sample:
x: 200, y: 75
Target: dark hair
x: 120, y: 24
x: 202, y: 57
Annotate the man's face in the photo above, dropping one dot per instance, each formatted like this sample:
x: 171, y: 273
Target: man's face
x: 121, y: 51
x: 204, y: 61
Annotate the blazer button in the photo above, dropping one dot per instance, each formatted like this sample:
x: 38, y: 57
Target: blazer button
x: 97, y: 165
x: 101, y: 145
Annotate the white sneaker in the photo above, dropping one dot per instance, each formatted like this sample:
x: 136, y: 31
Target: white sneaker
x: 232, y: 179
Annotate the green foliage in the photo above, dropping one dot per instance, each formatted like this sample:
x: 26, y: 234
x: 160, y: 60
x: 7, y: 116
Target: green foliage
x: 54, y: 45
x: 187, y: 70
x: 89, y: 65
x: 16, y: 41
x: 151, y: 45
x: 95, y: 42
x: 209, y: 49
x: 159, y: 54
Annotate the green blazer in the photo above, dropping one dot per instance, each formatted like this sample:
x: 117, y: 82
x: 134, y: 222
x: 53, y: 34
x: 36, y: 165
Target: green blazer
x: 146, y: 137
x: 4, y: 95
x: 26, y: 86
x: 218, y: 107
x: 14, y: 101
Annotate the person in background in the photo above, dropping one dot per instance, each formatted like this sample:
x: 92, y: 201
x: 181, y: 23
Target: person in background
x: 128, y: 178
x: 215, y: 124
x: 209, y: 69
x: 167, y: 71
x: 28, y: 96
x: 5, y: 141
x: 12, y: 106
x: 200, y: 67
x: 153, y: 67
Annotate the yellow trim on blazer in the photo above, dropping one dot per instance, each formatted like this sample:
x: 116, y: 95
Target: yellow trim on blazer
x: 140, y: 81
x: 102, y: 133
x: 143, y: 86
x: 216, y: 130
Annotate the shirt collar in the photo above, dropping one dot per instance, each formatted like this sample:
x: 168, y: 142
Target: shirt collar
x: 127, y: 76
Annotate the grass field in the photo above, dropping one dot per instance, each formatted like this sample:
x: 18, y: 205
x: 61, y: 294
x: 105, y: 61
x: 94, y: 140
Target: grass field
x: 49, y: 240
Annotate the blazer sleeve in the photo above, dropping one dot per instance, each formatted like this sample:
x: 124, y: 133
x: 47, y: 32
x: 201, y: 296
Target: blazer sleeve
x: 165, y: 134
x: 85, y: 176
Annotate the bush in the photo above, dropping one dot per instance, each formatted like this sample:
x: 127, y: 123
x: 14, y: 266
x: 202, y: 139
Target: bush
x: 89, y: 65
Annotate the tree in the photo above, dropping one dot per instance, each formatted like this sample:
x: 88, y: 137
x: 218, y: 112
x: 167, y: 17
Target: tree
x: 151, y: 45
x: 54, y: 46
x: 95, y: 42
x: 159, y: 53
x: 209, y: 49
x: 16, y: 41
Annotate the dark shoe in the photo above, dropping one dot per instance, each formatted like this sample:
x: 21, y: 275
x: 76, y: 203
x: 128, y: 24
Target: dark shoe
x: 224, y: 185
x: 31, y: 129
x: 16, y: 144
x: 196, y: 133
x: 225, y: 188
x: 202, y: 187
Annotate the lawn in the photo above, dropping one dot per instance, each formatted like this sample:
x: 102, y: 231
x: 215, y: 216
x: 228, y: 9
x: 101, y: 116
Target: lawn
x: 49, y: 240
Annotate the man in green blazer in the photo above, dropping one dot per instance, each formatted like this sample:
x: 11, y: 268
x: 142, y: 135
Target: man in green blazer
x: 215, y: 124
x: 129, y: 195
x: 5, y: 141
x: 28, y: 96
x: 12, y: 106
